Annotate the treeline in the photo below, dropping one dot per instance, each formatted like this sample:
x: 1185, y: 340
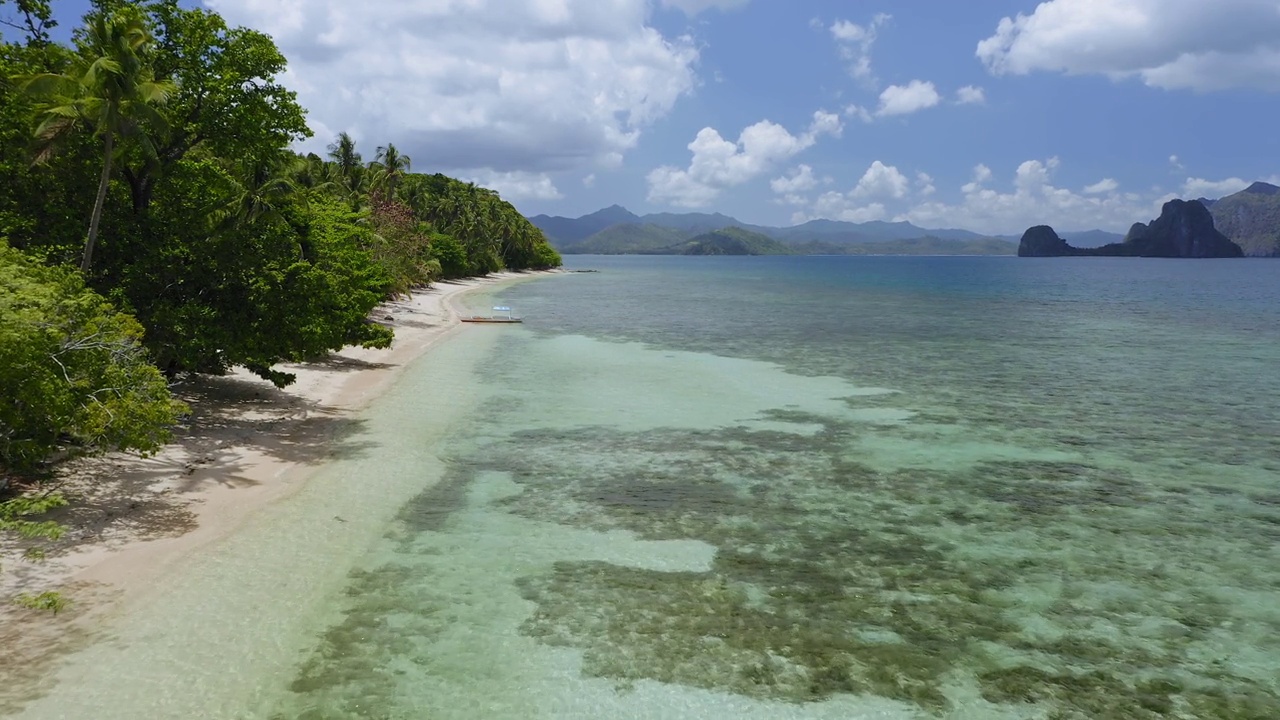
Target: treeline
x: 154, y: 221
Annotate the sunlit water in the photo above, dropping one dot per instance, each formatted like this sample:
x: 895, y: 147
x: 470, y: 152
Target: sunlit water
x: 770, y: 488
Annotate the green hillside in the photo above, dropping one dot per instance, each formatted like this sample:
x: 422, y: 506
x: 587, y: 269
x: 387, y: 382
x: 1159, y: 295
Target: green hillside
x: 627, y: 239
x: 729, y: 241
x: 913, y: 246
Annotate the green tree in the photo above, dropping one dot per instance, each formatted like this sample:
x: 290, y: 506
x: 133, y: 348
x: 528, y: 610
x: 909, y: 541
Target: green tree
x: 391, y: 167
x: 35, y: 20
x: 228, y: 104
x: 109, y: 89
x: 75, y: 377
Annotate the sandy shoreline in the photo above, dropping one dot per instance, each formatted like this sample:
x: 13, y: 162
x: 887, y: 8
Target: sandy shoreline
x: 246, y: 446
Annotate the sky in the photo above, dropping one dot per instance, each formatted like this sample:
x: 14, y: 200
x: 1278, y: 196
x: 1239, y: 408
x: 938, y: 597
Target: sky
x: 990, y: 115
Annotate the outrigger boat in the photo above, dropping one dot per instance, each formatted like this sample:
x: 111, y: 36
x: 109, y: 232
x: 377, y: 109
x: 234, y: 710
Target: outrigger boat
x: 495, y: 318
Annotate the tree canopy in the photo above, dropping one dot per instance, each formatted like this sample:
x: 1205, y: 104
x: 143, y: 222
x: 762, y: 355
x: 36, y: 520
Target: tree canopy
x: 156, y: 220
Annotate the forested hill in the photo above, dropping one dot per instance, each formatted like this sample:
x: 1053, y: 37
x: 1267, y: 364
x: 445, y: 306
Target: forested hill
x: 154, y: 221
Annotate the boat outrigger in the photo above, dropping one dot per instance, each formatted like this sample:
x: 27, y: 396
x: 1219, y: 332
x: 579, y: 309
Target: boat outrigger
x: 495, y: 318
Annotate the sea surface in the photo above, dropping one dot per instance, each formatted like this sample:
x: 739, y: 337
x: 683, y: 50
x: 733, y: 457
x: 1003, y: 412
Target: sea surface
x: 845, y: 487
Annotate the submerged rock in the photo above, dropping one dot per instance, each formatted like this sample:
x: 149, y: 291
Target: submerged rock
x: 1183, y: 230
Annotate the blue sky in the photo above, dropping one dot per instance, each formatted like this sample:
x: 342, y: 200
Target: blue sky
x: 1077, y: 113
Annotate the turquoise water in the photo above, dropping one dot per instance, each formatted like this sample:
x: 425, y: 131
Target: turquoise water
x: 799, y: 488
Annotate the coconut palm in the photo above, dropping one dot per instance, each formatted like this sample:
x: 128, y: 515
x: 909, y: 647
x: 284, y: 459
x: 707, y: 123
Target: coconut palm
x: 108, y: 89
x: 393, y: 166
x: 353, y: 176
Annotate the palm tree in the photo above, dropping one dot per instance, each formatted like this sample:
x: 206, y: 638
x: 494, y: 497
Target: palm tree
x: 344, y: 155
x: 393, y: 165
x: 109, y: 89
x: 265, y: 191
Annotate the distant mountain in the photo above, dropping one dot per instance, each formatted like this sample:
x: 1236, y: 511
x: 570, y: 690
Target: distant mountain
x: 727, y: 241
x: 1251, y: 218
x: 563, y: 231
x: 927, y: 245
x: 627, y: 239
x: 692, y: 223
x: 836, y: 231
x: 616, y: 230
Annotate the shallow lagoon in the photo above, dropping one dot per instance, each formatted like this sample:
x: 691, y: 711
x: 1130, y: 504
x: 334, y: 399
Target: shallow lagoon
x: 790, y: 487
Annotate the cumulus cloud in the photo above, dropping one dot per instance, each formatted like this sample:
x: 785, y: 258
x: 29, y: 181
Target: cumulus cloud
x: 881, y: 181
x: 924, y: 183
x: 501, y: 86
x: 693, y: 7
x: 913, y: 97
x: 1103, y: 186
x: 799, y: 180
x: 589, y: 181
x: 1033, y: 199
x: 838, y: 206
x: 981, y: 174
x: 1213, y: 189
x: 516, y: 185
x: 1170, y: 44
x: 855, y: 42
x: 971, y: 95
x: 718, y: 163
x: 1175, y: 162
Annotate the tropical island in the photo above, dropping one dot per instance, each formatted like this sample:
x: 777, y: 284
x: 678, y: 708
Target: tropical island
x: 1184, y: 230
x: 156, y: 226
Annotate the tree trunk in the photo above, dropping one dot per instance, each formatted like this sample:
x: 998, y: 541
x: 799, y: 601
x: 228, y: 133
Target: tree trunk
x: 97, y: 205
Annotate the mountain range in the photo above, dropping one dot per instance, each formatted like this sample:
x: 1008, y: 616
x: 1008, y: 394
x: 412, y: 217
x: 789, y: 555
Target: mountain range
x: 1250, y: 218
x: 617, y: 231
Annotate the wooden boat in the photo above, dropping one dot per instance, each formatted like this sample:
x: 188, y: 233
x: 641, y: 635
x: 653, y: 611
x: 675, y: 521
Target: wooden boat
x: 483, y: 319
x: 495, y: 318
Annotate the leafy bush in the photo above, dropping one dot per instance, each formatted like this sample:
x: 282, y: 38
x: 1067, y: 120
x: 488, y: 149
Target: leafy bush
x: 72, y: 371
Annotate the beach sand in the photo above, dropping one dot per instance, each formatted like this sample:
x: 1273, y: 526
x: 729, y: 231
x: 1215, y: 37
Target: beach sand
x: 246, y: 445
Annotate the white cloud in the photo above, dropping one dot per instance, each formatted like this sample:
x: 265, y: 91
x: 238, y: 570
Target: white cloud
x: 881, y: 181
x: 508, y: 85
x: 865, y: 202
x: 855, y: 43
x: 1029, y: 198
x: 515, y: 185
x: 971, y: 95
x: 981, y: 174
x: 589, y: 181
x: 839, y: 206
x: 718, y: 163
x: 859, y: 112
x: 799, y: 180
x: 1033, y: 200
x: 913, y: 97
x: 1167, y: 43
x: 693, y: 7
x: 1212, y: 189
x: 1175, y: 162
x: 924, y: 182
x: 1103, y: 186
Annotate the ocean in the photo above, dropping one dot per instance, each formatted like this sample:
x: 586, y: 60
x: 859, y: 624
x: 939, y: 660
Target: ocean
x: 772, y: 487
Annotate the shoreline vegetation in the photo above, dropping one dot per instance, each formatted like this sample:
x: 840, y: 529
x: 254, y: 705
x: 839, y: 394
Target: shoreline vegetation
x: 161, y: 245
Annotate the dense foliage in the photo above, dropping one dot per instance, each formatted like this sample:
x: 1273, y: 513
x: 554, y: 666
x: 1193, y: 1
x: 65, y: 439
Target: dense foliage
x: 154, y: 221
x: 72, y: 369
